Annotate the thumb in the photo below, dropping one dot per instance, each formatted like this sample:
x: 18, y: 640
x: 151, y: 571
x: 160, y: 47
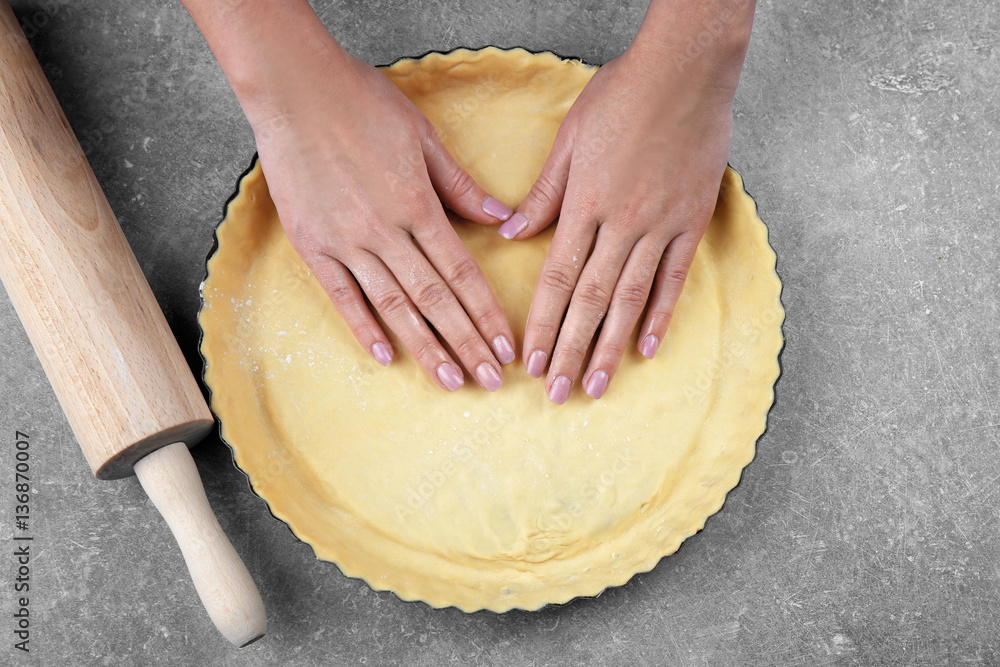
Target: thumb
x: 457, y: 189
x: 541, y: 206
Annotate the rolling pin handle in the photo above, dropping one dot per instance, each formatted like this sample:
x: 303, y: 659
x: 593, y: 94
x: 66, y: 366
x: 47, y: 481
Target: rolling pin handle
x: 171, y: 480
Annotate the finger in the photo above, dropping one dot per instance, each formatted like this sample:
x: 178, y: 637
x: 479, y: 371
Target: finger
x: 630, y: 297
x: 667, y: 287
x: 436, y: 301
x: 453, y: 262
x: 456, y: 188
x: 541, y: 206
x: 346, y: 296
x: 562, y: 268
x: 589, y: 304
x: 403, y: 317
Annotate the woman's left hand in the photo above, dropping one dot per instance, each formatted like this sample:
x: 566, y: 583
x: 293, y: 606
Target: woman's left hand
x: 633, y: 176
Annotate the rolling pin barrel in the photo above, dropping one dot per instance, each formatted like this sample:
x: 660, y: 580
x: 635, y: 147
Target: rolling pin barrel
x: 102, y: 339
x: 126, y: 389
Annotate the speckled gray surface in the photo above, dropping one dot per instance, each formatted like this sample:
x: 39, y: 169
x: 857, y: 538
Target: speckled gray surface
x: 864, y: 533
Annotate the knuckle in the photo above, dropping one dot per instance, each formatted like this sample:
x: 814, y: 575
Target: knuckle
x: 462, y: 272
x: 609, y: 354
x: 631, y: 296
x: 568, y: 358
x: 559, y: 277
x: 390, y: 303
x: 587, y: 201
x: 380, y: 235
x: 491, y: 318
x: 303, y: 237
x: 425, y: 351
x: 415, y: 200
x: 544, y: 334
x: 430, y: 294
x: 660, y: 319
x: 425, y: 128
x: 546, y: 193
x: 462, y: 184
x: 675, y: 275
x: 341, y: 294
x: 634, y: 212
x: 593, y: 296
x: 651, y: 260
x: 467, y: 347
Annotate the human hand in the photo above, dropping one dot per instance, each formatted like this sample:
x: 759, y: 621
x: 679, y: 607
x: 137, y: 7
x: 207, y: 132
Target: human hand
x: 634, y: 175
x: 352, y: 166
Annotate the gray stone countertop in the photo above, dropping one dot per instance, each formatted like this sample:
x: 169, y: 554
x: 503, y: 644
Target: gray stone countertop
x: 866, y: 530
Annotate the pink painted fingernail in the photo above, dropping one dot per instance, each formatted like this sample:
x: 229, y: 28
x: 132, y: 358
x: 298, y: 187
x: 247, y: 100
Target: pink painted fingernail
x: 536, y: 363
x: 382, y: 353
x: 450, y: 376
x: 488, y: 376
x: 560, y: 389
x: 514, y: 225
x: 496, y: 208
x: 649, y: 345
x: 597, y: 384
x: 503, y: 349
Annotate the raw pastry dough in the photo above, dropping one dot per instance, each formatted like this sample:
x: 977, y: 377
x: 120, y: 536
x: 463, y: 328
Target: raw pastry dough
x: 473, y: 499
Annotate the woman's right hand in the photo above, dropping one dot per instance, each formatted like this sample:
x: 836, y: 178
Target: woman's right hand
x: 356, y: 171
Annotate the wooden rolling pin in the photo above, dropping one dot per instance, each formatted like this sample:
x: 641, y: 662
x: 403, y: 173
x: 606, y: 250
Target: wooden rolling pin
x: 112, y: 360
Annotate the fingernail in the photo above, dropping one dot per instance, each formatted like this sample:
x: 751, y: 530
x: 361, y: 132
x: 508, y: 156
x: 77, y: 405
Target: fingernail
x: 560, y: 389
x: 450, y: 376
x: 496, y: 208
x: 649, y: 345
x: 488, y: 376
x: 597, y: 384
x: 514, y: 225
x: 503, y: 349
x: 536, y: 363
x: 382, y: 353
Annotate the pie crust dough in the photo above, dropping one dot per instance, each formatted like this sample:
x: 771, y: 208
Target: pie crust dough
x: 468, y: 498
